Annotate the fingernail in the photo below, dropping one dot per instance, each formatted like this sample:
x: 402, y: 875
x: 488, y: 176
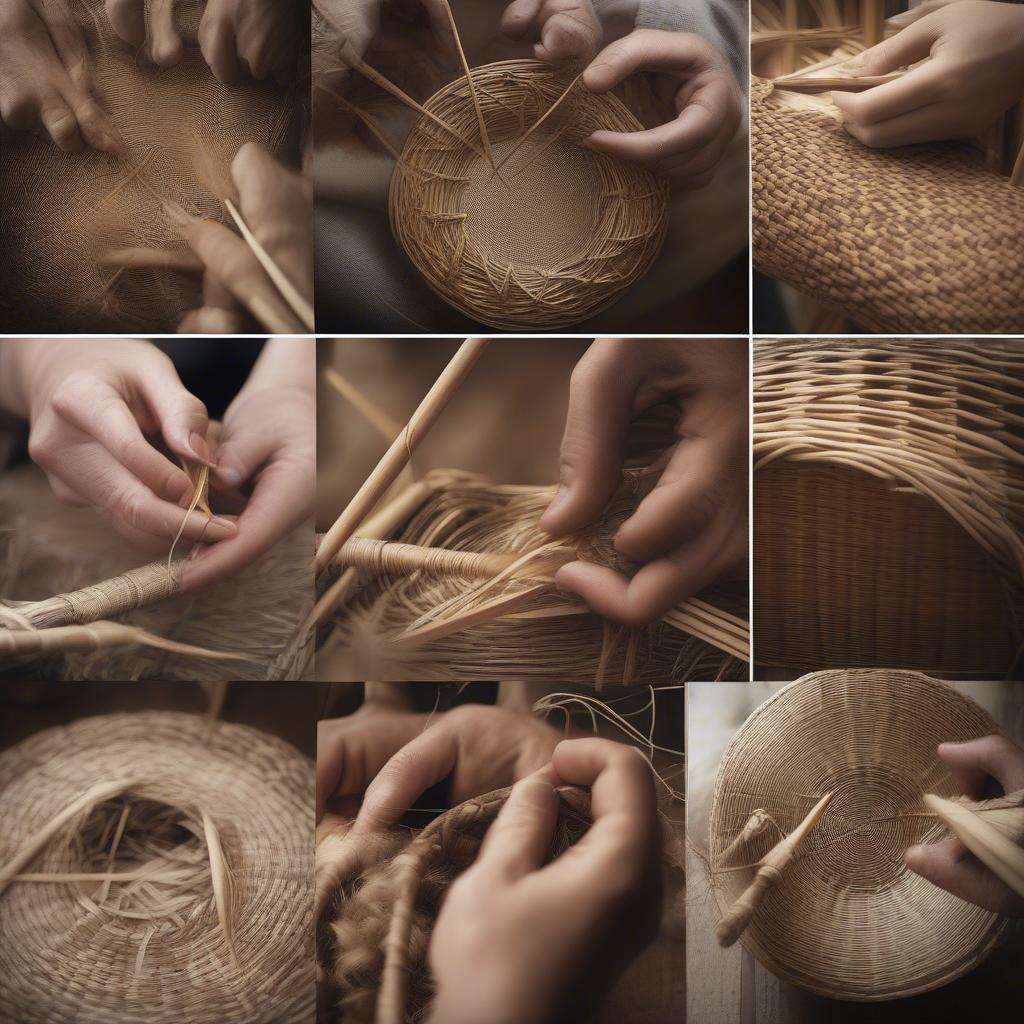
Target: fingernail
x: 219, y: 529
x: 200, y: 449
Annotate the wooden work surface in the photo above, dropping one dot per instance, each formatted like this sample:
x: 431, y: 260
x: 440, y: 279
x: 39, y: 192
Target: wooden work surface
x: 728, y: 986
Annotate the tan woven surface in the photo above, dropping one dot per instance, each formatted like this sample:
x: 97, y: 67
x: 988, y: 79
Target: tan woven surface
x: 848, y: 920
x: 65, y: 959
x: 65, y: 213
x: 921, y: 239
x: 550, y: 235
x: 888, y: 487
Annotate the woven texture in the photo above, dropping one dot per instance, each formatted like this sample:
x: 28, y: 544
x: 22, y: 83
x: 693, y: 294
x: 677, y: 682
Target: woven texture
x: 918, y: 240
x: 848, y: 920
x: 372, y: 945
x: 64, y: 959
x: 182, y: 129
x: 555, y: 231
x: 62, y: 565
x: 889, y: 480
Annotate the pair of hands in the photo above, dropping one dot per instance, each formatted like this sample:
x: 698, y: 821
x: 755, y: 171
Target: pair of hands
x: 691, y: 530
x: 974, y: 765
x: 972, y: 72
x: 597, y: 905
x: 99, y: 409
x: 46, y: 74
x: 690, y: 75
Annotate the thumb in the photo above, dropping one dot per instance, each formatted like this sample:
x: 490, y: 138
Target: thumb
x: 240, y: 457
x: 914, y: 43
x: 183, y: 420
x: 520, y: 838
x: 951, y: 867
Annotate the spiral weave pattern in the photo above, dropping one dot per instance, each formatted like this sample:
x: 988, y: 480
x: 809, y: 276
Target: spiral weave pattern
x: 61, y: 961
x: 545, y: 239
x: 848, y: 920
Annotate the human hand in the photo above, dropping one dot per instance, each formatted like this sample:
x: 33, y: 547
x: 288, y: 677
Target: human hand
x: 255, y: 37
x: 480, y: 747
x: 697, y: 79
x: 96, y: 409
x: 277, y: 206
x: 46, y: 77
x: 691, y: 530
x: 973, y: 71
x: 561, y: 30
x: 974, y: 765
x: 267, y: 446
x: 518, y: 940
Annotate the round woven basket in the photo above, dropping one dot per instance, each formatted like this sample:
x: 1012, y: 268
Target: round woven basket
x: 848, y: 920
x: 66, y: 956
x: 553, y: 231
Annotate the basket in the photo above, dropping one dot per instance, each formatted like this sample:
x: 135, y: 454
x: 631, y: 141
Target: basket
x: 70, y: 954
x: 847, y: 919
x: 550, y: 233
x: 888, y: 482
x: 920, y: 239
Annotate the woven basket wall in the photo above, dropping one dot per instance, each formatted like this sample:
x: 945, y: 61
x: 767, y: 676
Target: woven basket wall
x: 882, y: 536
x: 550, y: 237
x: 61, y: 962
x: 848, y: 920
x: 920, y: 239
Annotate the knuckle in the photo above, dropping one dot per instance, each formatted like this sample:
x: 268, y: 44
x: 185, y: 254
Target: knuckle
x: 125, y: 506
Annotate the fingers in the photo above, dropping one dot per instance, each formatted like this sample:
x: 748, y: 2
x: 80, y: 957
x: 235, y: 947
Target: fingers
x: 237, y: 268
x: 60, y: 123
x: 96, y: 477
x: 69, y: 43
x: 658, y: 587
x: 217, y: 43
x: 973, y: 763
x: 165, y: 47
x: 927, y: 124
x: 951, y: 867
x: 914, y: 43
x: 601, y: 395
x: 280, y: 502
x: 692, y: 144
x: 276, y: 206
x: 700, y: 483
x: 649, y: 49
x: 183, y: 419
x: 420, y: 764
x: 564, y: 29
x: 128, y: 20
x: 107, y: 418
x: 95, y: 125
x: 623, y: 800
x: 518, y: 841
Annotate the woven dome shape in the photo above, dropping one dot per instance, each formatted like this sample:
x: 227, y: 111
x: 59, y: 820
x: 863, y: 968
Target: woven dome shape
x: 382, y: 906
x: 917, y: 240
x: 550, y: 237
x: 888, y: 489
x: 66, y: 213
x: 847, y: 919
x: 63, y: 959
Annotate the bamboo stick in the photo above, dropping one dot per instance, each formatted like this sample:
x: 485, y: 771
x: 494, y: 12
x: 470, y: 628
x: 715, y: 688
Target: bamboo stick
x: 770, y: 869
x: 400, y: 452
x: 299, y: 305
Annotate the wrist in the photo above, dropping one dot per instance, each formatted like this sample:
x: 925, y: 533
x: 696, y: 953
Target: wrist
x: 21, y: 361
